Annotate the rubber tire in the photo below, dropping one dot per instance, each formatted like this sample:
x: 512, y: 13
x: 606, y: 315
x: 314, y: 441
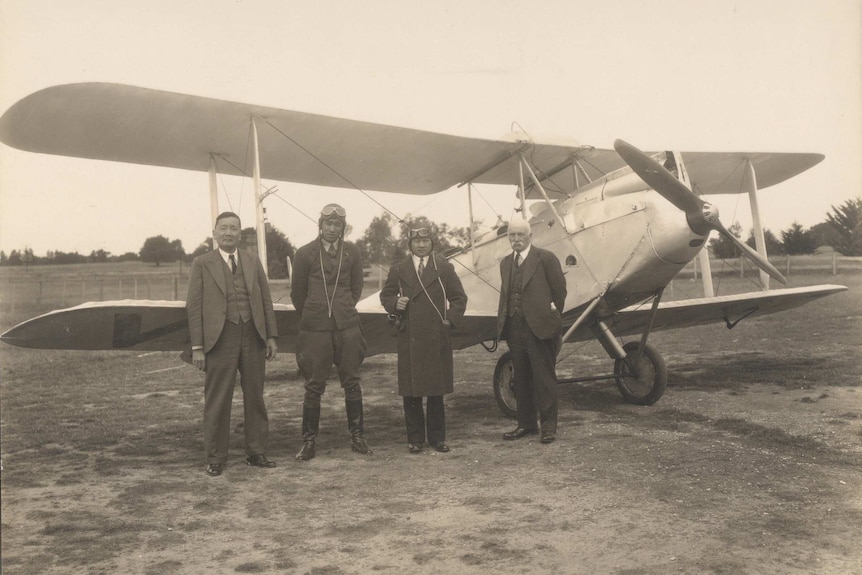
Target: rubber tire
x: 651, y: 382
x: 504, y: 393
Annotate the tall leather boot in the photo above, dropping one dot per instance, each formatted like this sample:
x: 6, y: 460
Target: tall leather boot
x: 310, y: 424
x: 355, y: 424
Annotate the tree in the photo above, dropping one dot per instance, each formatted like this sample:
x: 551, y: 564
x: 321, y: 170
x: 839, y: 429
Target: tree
x: 15, y: 258
x: 823, y: 234
x: 773, y: 246
x: 722, y: 247
x: 3, y: 258
x: 377, y: 245
x: 68, y: 258
x: 846, y: 220
x: 127, y: 257
x: 797, y: 240
x: 203, y: 247
x: 278, y: 249
x: 158, y: 249
x: 28, y: 257
x: 98, y: 256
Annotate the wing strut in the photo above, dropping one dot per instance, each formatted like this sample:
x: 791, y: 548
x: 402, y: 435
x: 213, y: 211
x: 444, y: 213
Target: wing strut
x: 470, y: 230
x: 583, y: 316
x: 749, y: 182
x: 258, y: 202
x: 642, y: 344
x: 703, y: 255
x: 213, y: 195
x: 544, y: 194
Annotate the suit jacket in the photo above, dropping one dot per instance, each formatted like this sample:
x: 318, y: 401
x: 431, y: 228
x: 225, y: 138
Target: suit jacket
x: 542, y: 283
x: 206, y: 302
x: 309, y: 293
x: 424, y: 350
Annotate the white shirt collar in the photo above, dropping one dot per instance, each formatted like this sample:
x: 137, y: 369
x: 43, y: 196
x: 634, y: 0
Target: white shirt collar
x: 326, y: 244
x: 524, y: 253
x: 417, y: 258
x: 226, y: 256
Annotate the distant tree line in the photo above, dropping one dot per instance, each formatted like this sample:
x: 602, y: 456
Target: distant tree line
x: 842, y: 230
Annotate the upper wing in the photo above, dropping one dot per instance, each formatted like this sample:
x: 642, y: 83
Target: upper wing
x: 731, y: 308
x: 143, y: 126
x: 723, y: 173
x: 123, y: 123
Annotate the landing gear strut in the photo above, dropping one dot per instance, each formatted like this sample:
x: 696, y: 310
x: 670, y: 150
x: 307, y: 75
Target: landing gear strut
x: 641, y: 383
x: 639, y: 369
x: 644, y: 382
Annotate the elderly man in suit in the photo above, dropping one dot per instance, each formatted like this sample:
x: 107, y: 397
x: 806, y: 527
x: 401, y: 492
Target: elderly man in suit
x: 532, y: 296
x: 232, y: 327
x: 425, y: 293
x: 327, y: 282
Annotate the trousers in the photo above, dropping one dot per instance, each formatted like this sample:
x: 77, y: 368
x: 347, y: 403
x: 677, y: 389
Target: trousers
x: 317, y: 351
x: 239, y: 348
x: 535, y: 376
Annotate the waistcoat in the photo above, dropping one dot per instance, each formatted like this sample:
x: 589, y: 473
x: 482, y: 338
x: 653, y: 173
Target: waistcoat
x: 238, y: 305
x: 514, y: 303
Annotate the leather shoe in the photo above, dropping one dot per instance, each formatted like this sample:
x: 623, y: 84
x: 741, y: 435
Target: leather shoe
x: 259, y: 461
x: 548, y: 437
x: 518, y: 433
x: 441, y: 447
x: 215, y: 469
x: 415, y: 448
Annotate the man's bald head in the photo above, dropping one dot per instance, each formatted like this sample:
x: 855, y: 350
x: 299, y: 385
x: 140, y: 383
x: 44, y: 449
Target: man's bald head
x: 519, y: 225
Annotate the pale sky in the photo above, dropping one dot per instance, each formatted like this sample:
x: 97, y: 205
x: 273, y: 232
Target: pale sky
x: 712, y: 75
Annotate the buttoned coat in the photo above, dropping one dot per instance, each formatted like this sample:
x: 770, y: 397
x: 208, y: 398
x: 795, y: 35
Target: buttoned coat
x: 318, y: 284
x: 542, y: 283
x: 206, y: 302
x: 424, y: 349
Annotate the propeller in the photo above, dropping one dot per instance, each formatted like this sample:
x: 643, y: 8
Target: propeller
x: 700, y: 215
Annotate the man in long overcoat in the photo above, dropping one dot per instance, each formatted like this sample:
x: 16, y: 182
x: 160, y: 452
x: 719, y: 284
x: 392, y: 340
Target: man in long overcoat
x: 424, y: 293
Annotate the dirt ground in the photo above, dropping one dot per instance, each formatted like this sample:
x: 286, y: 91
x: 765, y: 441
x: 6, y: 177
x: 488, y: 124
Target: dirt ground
x: 750, y: 463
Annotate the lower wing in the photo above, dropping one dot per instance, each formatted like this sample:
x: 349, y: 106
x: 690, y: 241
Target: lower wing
x: 728, y: 309
x: 162, y: 326
x: 145, y: 325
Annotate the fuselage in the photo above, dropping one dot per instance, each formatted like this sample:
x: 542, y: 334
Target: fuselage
x: 619, y: 239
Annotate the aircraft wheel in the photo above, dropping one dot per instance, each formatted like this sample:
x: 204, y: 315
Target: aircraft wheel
x: 645, y: 383
x: 504, y: 385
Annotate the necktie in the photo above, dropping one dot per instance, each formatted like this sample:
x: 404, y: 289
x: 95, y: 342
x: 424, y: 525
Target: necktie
x: 232, y: 264
x: 421, y: 266
x: 517, y: 259
x: 331, y: 251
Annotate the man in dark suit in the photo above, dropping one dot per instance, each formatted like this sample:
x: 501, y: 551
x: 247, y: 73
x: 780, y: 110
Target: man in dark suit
x: 232, y: 327
x: 532, y: 296
x: 327, y: 282
x: 426, y: 294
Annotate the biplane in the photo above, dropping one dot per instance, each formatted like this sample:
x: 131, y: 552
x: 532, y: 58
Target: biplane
x: 623, y: 222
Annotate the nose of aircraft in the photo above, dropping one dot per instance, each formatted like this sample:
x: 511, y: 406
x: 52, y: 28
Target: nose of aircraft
x: 700, y: 215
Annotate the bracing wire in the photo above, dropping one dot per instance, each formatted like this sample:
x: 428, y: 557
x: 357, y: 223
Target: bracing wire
x: 399, y: 219
x: 333, y: 170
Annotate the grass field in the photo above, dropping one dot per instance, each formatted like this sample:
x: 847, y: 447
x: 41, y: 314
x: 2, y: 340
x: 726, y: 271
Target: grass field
x: 750, y: 463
